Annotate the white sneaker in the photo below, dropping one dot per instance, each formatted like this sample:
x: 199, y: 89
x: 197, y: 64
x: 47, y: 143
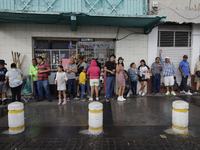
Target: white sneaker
x: 76, y: 98
x: 91, y: 99
x: 140, y: 93
x: 183, y: 92
x: 188, y: 93
x: 120, y: 98
x: 143, y: 94
x: 97, y: 98
x: 173, y: 93
x: 123, y: 98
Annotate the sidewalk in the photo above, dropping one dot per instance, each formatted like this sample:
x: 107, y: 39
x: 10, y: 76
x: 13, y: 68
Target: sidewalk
x: 138, y: 123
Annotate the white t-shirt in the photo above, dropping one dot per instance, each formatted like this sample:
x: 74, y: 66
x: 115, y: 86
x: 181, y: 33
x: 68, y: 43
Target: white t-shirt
x: 141, y: 69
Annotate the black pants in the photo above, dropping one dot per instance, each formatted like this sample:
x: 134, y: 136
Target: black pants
x: 16, y: 91
x: 184, y: 84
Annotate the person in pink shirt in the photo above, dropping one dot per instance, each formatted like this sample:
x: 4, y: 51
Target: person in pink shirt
x: 94, y: 73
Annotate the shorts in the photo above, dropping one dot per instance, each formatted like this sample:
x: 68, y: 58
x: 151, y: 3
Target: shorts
x: 169, y: 80
x: 142, y: 79
x: 94, y: 82
x: 3, y: 87
x: 196, y: 78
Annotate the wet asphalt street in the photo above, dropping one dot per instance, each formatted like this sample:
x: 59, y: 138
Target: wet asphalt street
x: 138, y: 123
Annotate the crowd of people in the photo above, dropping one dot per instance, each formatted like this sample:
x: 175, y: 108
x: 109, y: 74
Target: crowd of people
x: 83, y: 77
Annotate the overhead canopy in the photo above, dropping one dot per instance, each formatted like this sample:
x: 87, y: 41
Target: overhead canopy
x: 147, y: 22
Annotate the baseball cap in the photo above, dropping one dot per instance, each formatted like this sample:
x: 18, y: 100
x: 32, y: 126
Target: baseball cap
x: 185, y: 56
x: 120, y: 58
x: 2, y: 62
x: 166, y: 57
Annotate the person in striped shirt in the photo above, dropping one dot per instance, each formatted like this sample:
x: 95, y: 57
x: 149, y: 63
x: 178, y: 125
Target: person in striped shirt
x: 169, y: 72
x: 42, y: 78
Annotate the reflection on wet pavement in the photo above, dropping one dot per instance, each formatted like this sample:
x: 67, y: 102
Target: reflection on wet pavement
x: 141, y: 117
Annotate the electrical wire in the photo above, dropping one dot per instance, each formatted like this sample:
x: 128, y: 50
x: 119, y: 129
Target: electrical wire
x: 179, y: 14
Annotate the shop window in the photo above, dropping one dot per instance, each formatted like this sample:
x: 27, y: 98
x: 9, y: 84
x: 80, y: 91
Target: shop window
x: 174, y: 39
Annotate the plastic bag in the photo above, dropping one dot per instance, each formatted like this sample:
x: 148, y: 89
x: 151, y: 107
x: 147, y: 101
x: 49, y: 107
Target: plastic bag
x: 27, y: 88
x: 175, y: 85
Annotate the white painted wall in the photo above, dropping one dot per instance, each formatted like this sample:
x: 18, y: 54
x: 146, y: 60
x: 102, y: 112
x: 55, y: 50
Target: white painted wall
x: 195, y: 46
x: 18, y: 38
x: 177, y: 4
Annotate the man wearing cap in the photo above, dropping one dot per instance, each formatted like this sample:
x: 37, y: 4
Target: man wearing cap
x: 3, y: 86
x: 184, y: 68
x: 197, y: 79
x: 110, y: 68
x: 169, y: 72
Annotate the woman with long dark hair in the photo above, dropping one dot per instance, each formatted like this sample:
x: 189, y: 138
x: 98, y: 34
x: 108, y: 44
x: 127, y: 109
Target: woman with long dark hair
x: 143, y: 69
x: 121, y: 78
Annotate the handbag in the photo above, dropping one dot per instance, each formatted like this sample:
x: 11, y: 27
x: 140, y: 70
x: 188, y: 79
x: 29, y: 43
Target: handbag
x: 198, y: 73
x: 175, y: 85
x: 147, y: 75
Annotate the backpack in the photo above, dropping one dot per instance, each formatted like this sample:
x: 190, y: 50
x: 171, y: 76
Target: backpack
x: 49, y: 73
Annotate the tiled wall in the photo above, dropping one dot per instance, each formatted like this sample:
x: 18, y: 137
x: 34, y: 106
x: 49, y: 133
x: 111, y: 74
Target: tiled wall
x: 18, y: 38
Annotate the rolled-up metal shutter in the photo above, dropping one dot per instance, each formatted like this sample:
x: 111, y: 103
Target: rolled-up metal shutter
x: 175, y: 41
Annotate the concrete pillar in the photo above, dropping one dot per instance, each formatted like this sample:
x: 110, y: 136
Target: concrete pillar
x: 180, y: 115
x: 16, y: 117
x: 95, y: 118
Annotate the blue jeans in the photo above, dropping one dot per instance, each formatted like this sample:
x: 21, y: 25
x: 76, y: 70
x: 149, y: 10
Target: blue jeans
x: 69, y: 87
x: 110, y: 81
x: 88, y: 87
x: 156, y: 83
x: 36, y: 89
x: 134, y: 87
x: 184, y: 84
x: 82, y: 90
x: 43, y: 84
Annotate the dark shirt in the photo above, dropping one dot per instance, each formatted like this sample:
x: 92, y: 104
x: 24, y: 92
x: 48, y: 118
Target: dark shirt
x: 110, y: 66
x: 98, y: 65
x: 2, y: 74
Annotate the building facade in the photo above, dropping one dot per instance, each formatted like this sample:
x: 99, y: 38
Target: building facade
x: 178, y: 36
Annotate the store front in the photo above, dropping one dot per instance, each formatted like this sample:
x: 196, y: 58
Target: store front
x: 56, y: 51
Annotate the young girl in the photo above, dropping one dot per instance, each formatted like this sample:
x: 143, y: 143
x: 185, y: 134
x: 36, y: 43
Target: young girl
x: 133, y: 73
x: 143, y: 68
x: 60, y: 80
x: 121, y: 79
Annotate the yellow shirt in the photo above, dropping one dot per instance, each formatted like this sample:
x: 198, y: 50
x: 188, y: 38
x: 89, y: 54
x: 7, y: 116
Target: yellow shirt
x: 82, y: 78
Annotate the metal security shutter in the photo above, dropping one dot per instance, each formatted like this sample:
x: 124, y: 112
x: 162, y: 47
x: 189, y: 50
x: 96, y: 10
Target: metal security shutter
x: 175, y: 41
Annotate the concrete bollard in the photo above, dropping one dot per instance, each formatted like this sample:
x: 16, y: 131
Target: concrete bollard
x: 16, y: 118
x: 180, y: 115
x: 95, y: 117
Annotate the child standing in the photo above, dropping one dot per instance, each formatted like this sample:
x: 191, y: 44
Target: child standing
x: 133, y: 73
x: 3, y: 86
x: 60, y: 80
x: 82, y: 81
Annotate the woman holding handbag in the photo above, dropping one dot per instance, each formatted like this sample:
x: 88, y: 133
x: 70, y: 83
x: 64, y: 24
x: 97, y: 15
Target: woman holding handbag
x: 144, y: 75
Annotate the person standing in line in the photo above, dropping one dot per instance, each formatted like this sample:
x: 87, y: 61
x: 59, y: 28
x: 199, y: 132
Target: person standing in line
x: 143, y: 69
x: 3, y: 86
x: 98, y: 63
x: 42, y: 79
x: 33, y: 73
x: 14, y: 77
x: 184, y: 68
x: 88, y: 81
x: 133, y: 73
x: 110, y: 68
x: 82, y: 81
x: 121, y: 79
x: 60, y: 81
x: 104, y: 79
x: 169, y: 72
x: 94, y: 73
x: 156, y: 69
x: 197, y: 78
x: 71, y: 70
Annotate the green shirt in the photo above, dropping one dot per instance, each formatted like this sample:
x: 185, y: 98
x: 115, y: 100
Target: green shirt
x: 33, y: 70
